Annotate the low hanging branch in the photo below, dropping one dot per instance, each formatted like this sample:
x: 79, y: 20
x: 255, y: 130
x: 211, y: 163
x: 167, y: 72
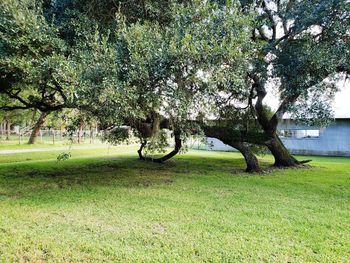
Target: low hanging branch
x: 177, y: 148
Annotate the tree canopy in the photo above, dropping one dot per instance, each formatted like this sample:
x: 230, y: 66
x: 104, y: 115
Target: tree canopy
x: 184, y: 66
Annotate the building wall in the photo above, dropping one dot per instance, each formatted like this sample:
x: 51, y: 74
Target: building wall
x: 213, y: 144
x: 334, y: 140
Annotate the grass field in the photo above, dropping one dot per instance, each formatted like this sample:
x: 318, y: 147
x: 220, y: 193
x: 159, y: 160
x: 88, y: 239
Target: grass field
x: 13, y: 143
x: 104, y: 205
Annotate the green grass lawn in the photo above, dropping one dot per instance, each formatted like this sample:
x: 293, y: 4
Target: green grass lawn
x: 101, y: 206
x: 14, y: 144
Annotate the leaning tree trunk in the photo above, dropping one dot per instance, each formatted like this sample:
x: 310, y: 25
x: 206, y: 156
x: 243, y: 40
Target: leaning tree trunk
x: 249, y: 157
x: 38, y: 125
x: 283, y: 157
x: 227, y: 136
x: 177, y: 148
x: 139, y: 151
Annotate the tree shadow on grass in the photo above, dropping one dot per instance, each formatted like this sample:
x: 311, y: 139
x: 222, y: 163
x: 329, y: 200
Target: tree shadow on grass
x: 35, y: 179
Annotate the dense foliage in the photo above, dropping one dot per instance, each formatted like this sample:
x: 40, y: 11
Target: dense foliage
x: 163, y: 67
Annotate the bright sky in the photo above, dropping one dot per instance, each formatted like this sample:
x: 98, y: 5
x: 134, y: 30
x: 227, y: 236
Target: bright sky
x: 342, y: 100
x: 341, y: 105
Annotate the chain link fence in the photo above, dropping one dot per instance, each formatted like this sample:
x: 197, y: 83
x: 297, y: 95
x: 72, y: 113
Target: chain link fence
x: 52, y: 136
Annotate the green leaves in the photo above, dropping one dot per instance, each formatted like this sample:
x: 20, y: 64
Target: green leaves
x: 135, y: 61
x: 64, y: 156
x: 316, y: 50
x: 170, y: 70
x: 34, y: 60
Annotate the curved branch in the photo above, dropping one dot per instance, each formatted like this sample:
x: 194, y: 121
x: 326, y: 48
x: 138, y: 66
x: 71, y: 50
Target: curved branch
x: 11, y: 108
x: 139, y: 151
x: 177, y: 148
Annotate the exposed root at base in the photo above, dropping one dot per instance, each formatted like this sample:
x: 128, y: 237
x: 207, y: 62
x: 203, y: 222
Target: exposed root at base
x: 305, y: 161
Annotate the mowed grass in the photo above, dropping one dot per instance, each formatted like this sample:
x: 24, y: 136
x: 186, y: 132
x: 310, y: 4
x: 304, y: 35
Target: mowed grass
x: 13, y: 143
x: 95, y: 150
x: 110, y: 207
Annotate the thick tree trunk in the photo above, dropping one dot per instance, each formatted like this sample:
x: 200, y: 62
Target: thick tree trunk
x: 38, y: 125
x: 282, y: 156
x: 249, y: 157
x: 227, y: 136
x: 177, y: 148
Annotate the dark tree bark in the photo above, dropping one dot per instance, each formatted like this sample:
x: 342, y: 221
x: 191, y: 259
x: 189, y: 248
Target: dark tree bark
x: 139, y: 151
x: 249, y: 157
x: 283, y: 157
x: 38, y: 125
x: 226, y: 135
x: 177, y: 148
